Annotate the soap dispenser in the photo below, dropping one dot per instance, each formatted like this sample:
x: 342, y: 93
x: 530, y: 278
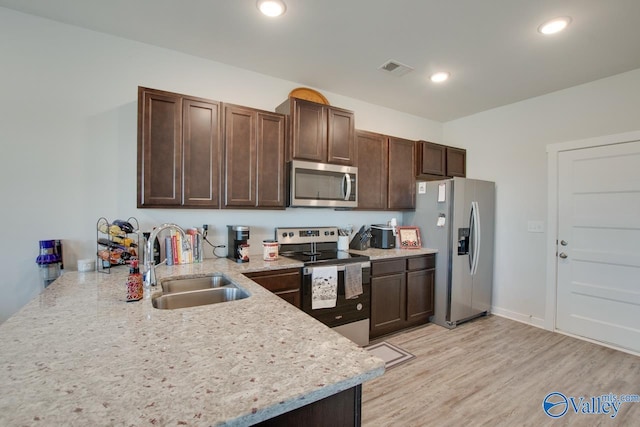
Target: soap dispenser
x: 135, y: 289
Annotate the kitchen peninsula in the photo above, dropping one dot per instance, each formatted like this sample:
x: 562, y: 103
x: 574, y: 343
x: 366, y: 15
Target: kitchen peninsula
x: 78, y: 354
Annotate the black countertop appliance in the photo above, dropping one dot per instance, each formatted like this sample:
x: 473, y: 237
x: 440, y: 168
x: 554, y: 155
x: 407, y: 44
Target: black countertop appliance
x: 383, y: 237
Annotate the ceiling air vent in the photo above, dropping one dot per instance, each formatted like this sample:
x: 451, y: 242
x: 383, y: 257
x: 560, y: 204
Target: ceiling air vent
x: 396, y: 68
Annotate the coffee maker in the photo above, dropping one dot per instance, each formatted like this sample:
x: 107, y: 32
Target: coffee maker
x: 238, y: 243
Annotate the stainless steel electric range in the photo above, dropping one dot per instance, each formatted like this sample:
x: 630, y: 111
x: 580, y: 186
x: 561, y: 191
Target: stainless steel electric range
x: 317, y: 247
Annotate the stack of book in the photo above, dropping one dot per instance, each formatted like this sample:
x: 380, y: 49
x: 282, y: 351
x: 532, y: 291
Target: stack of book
x: 180, y: 252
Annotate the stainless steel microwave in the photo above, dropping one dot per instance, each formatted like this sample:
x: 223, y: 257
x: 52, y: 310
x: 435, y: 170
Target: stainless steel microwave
x: 323, y: 185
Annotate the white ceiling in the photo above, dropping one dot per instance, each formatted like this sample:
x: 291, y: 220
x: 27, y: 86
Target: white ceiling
x: 490, y: 47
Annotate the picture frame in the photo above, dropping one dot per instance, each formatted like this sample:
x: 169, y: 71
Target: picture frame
x: 409, y: 237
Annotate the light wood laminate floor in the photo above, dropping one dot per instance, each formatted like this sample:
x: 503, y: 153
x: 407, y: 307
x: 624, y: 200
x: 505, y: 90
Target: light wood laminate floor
x: 496, y: 372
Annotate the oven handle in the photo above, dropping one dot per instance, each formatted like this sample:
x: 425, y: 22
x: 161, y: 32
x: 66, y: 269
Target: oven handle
x: 308, y: 270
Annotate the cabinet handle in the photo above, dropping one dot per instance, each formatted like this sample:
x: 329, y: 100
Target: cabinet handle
x: 563, y: 255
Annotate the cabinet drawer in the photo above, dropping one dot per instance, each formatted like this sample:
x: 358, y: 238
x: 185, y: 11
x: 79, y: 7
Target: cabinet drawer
x: 421, y: 263
x: 282, y: 280
x: 379, y: 268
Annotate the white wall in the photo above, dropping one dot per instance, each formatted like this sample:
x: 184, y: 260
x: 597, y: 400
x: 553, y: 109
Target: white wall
x: 68, y: 123
x: 507, y: 145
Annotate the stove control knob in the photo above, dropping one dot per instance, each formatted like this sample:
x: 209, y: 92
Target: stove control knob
x: 326, y: 233
x: 284, y: 234
x: 359, y: 306
x: 291, y: 234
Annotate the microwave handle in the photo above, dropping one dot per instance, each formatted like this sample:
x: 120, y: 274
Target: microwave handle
x: 346, y: 182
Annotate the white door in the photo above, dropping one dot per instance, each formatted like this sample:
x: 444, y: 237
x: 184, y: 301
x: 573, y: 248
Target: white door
x: 598, y: 292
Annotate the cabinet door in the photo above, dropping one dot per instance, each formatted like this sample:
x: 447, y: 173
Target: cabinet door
x: 239, y: 156
x: 420, y: 296
x: 159, y: 148
x: 340, y: 137
x: 201, y: 151
x: 388, y: 303
x: 284, y: 283
x: 309, y: 131
x: 456, y: 162
x: 431, y: 159
x: 371, y: 159
x: 292, y: 297
x: 402, y: 181
x: 270, y: 143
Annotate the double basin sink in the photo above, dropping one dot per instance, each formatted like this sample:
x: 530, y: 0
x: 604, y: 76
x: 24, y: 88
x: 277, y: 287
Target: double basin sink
x: 196, y: 291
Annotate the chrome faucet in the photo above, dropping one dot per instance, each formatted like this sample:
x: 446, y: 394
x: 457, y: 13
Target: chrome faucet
x: 149, y: 262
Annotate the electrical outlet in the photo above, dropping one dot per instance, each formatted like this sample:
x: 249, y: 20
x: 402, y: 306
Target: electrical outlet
x: 422, y: 187
x: 535, y: 227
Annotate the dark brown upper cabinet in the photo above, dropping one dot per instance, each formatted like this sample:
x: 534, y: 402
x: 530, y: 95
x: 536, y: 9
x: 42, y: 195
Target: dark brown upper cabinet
x: 319, y: 132
x: 436, y: 161
x: 178, y: 150
x: 402, y: 181
x: 385, y: 167
x: 456, y: 162
x: 372, y: 159
x: 254, y: 167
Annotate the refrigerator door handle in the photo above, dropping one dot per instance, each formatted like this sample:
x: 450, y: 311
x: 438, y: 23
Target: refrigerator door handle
x: 475, y: 238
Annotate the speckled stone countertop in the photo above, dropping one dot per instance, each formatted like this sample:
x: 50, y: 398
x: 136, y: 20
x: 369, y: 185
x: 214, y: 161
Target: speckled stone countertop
x: 79, y: 355
x: 380, y: 254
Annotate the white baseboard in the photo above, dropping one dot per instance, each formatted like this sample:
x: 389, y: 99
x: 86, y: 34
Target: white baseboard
x: 518, y: 317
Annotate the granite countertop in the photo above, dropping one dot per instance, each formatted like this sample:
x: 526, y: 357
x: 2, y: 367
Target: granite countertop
x: 78, y: 354
x: 380, y: 254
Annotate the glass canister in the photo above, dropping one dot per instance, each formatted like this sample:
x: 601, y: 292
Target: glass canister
x: 269, y: 250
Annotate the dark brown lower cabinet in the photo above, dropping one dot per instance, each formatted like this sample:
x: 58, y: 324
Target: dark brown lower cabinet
x: 284, y: 283
x: 401, y: 293
x: 341, y: 409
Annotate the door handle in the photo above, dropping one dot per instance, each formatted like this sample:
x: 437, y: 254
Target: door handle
x: 564, y: 242
x: 563, y: 255
x: 346, y: 182
x: 474, y: 238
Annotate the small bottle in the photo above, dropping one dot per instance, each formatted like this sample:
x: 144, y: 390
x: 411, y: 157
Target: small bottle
x: 156, y: 251
x: 135, y: 289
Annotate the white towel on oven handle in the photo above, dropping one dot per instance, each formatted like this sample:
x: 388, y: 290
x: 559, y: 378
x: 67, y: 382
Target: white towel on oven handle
x: 352, y: 280
x: 324, y: 287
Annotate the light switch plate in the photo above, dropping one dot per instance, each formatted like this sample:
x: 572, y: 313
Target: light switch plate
x: 422, y: 188
x: 535, y: 227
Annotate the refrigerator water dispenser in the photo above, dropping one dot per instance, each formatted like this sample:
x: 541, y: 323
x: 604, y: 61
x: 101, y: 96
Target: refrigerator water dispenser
x: 463, y: 241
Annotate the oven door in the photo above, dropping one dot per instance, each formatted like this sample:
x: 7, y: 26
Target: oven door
x: 346, y: 310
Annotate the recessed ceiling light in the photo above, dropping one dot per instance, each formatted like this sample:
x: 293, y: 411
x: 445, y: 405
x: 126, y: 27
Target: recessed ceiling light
x: 554, y: 26
x: 439, y: 77
x: 272, y: 8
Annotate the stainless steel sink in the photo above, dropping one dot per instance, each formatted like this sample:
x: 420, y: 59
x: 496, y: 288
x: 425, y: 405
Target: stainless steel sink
x: 195, y: 291
x: 199, y: 297
x: 195, y: 283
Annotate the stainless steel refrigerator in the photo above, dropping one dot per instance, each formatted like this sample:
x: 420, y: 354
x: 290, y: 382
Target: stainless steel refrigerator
x: 457, y: 217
